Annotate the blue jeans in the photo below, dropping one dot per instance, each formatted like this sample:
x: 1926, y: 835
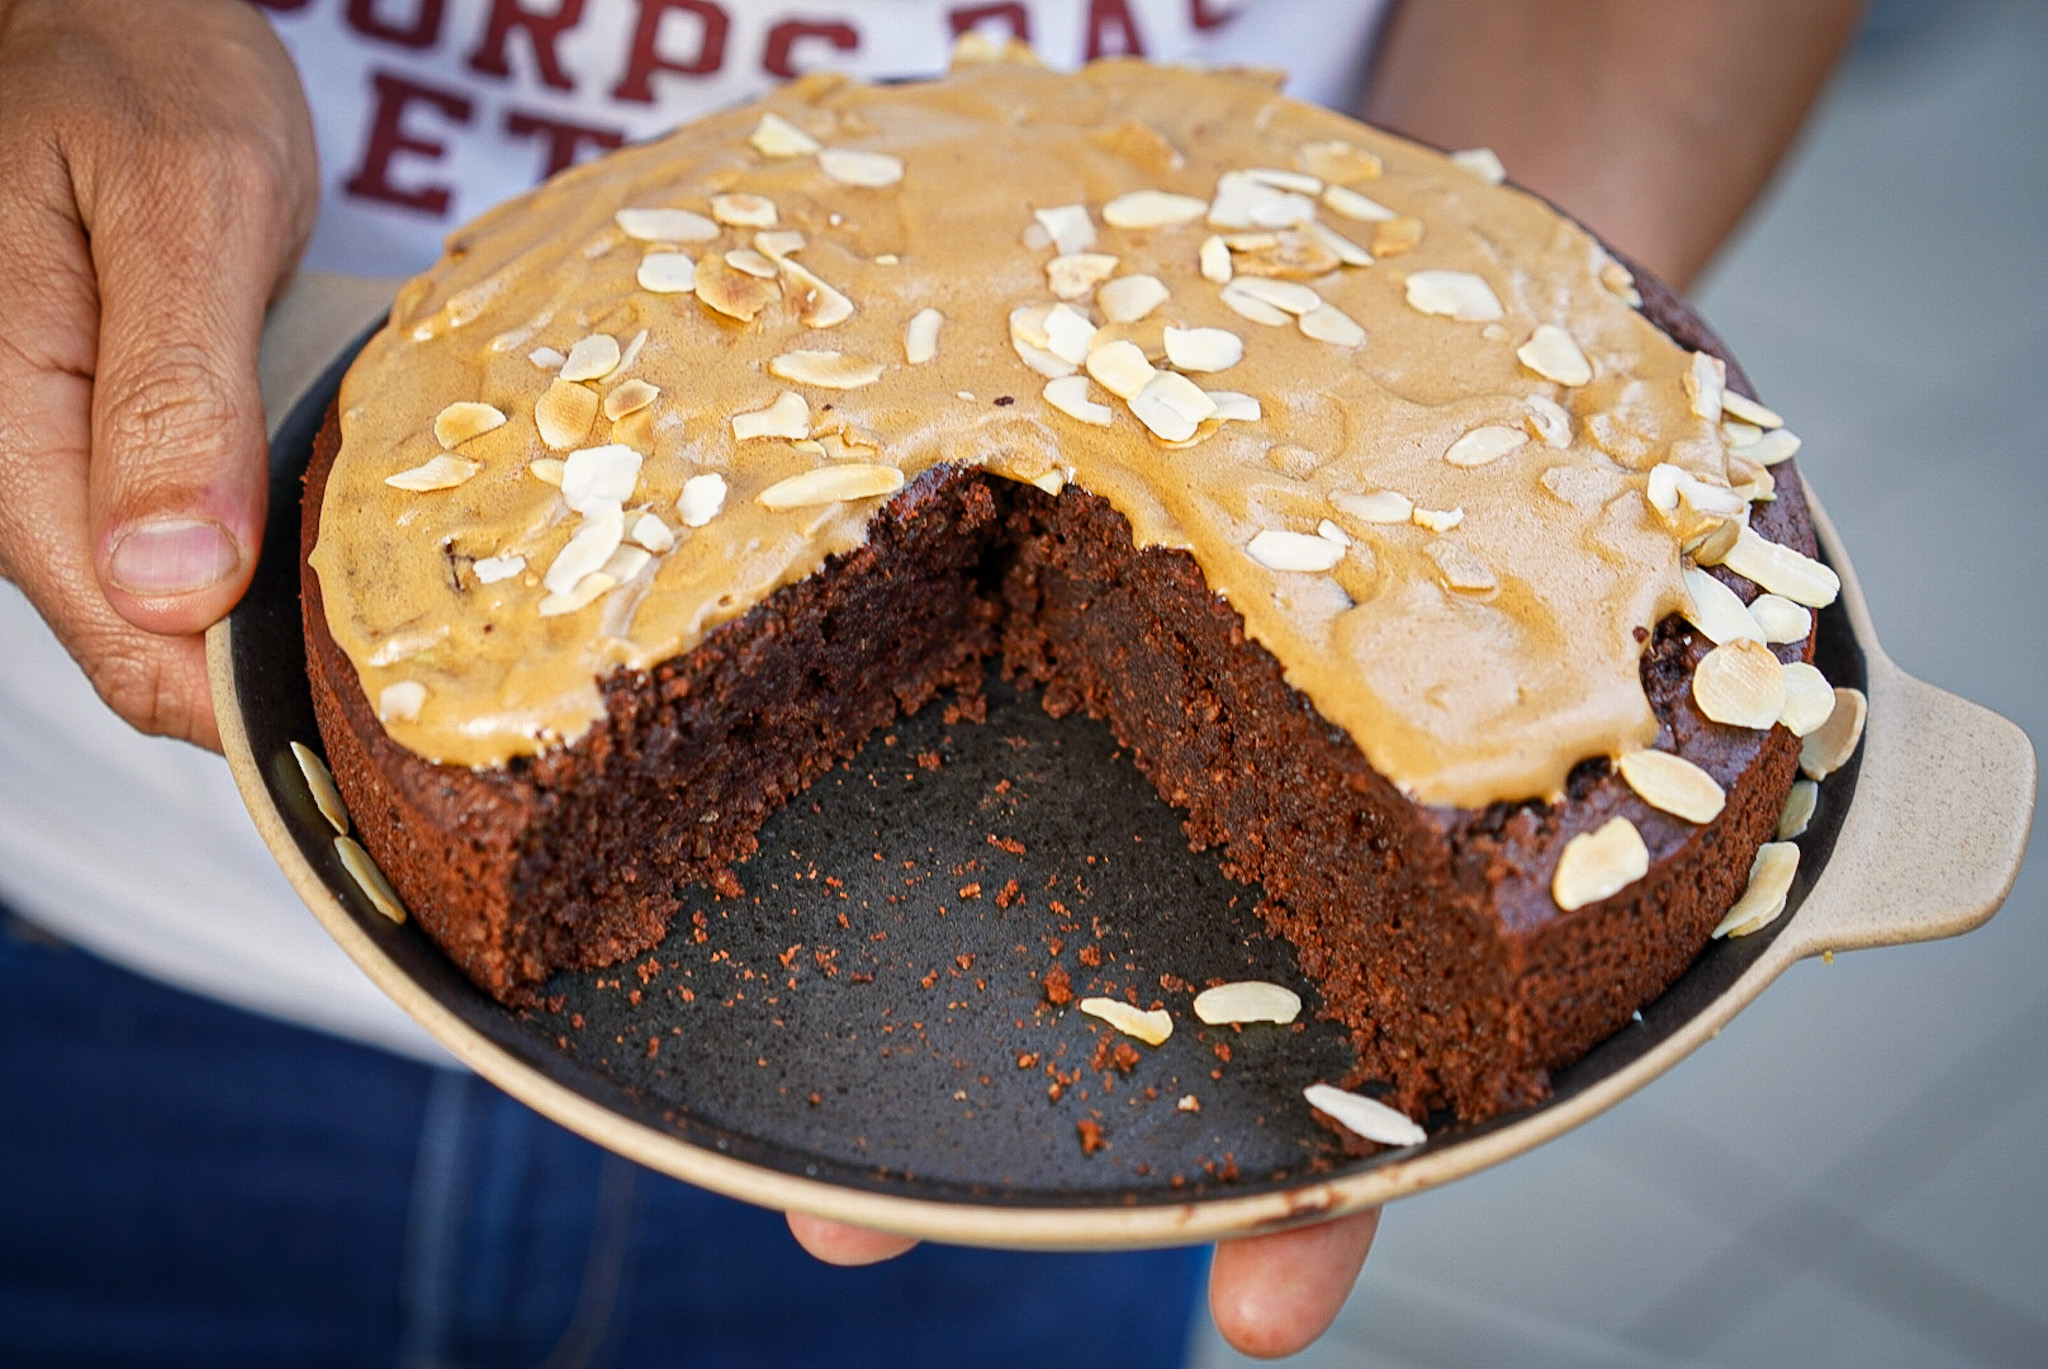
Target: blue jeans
x: 184, y: 1183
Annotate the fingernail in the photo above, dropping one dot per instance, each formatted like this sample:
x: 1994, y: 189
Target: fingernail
x: 171, y: 556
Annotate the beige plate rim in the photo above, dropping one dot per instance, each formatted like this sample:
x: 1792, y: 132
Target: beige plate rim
x: 1929, y: 849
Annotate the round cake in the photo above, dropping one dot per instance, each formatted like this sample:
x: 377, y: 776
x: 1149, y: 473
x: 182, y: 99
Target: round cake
x: 1438, y: 566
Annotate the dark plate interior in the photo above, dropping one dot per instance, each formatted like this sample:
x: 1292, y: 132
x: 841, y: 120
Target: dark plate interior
x: 854, y: 1016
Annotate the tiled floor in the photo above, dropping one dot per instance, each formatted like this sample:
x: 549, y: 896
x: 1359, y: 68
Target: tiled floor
x: 1852, y: 1174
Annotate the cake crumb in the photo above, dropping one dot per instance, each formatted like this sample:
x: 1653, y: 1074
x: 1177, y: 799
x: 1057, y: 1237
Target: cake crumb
x: 1091, y: 1135
x: 1059, y: 989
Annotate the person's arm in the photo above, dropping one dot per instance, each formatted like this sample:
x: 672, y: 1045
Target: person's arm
x: 1654, y: 122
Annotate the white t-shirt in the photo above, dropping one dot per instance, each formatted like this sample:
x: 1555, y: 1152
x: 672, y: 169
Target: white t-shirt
x: 428, y: 112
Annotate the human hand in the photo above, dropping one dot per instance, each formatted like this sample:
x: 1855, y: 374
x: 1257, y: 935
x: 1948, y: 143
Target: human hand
x: 1270, y: 1295
x: 157, y: 184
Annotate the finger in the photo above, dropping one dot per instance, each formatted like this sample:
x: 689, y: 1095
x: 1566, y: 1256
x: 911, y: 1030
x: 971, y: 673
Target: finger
x: 1273, y: 1295
x: 837, y: 1243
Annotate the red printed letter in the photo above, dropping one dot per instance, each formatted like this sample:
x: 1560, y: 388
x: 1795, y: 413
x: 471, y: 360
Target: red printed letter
x: 1104, y: 15
x: 638, y: 84
x: 778, y: 60
x: 563, y: 140
x: 1205, y: 14
x: 388, y: 138
x: 969, y: 17
x: 282, y: 6
x: 423, y: 30
x: 542, y: 30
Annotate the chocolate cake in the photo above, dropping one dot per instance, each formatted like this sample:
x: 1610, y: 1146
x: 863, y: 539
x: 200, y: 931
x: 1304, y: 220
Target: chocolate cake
x: 629, y: 526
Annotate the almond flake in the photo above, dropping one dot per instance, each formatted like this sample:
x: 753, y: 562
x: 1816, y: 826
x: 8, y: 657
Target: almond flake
x: 1459, y: 569
x: 1809, y: 699
x: 1232, y: 407
x: 369, y: 878
x: 1069, y: 227
x: 401, y: 702
x: 1068, y: 334
x: 921, y: 336
x: 1242, y: 202
x: 1740, y: 683
x: 1205, y: 350
x: 1188, y: 1103
x: 1052, y: 482
x: 1781, y: 619
x: 1337, y: 161
x: 1328, y: 323
x: 625, y: 563
x: 1452, y: 294
x: 869, y: 170
x: 1069, y: 394
x: 1368, y: 1117
x: 776, y: 244
x: 587, y: 551
x: 1738, y: 435
x: 1620, y: 283
x: 666, y: 273
x: 1746, y: 410
x: 598, y: 476
x: 442, y: 473
x: 461, y: 421
x: 1777, y: 445
x: 743, y: 211
x: 1129, y: 298
x: 732, y: 292
x: 1551, y: 353
x: 1705, y: 383
x: 1827, y: 748
x: 546, y: 358
x: 1300, y: 182
x: 826, y: 370
x: 1246, y: 305
x: 320, y: 784
x: 1339, y: 246
x: 788, y: 417
x: 1353, y: 205
x: 578, y: 596
x: 1152, y: 209
x: 1770, y: 880
x: 1214, y: 258
x: 1483, y: 446
x: 702, y: 498
x: 1783, y: 571
x: 831, y: 485
x: 1247, y: 1000
x: 1599, y: 864
x: 404, y: 646
x: 547, y: 470
x: 822, y: 306
x: 1381, y: 506
x: 1291, y: 296
x: 1150, y: 1027
x: 665, y: 225
x: 1120, y: 368
x: 1073, y: 275
x: 1548, y: 420
x: 1027, y: 324
x: 650, y: 532
x: 1716, y: 610
x: 1396, y: 235
x: 1436, y: 520
x: 753, y: 263
x: 1040, y: 360
x: 1171, y: 405
x: 1481, y: 162
x: 1276, y: 549
x: 1330, y: 532
x: 629, y: 397
x: 1673, y: 784
x: 776, y: 136
x: 1799, y: 808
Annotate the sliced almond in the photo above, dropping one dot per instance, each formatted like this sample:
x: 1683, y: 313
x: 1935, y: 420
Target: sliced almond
x: 1548, y: 420
x: 1599, y: 864
x: 1129, y: 298
x: 650, y: 532
x: 1770, y: 881
x: 1328, y: 323
x: 1743, y: 409
x: 776, y: 136
x: 789, y: 418
x: 1069, y: 227
x: 595, y: 477
x: 666, y: 273
x: 1458, y: 569
x: 1480, y: 162
x: 1737, y: 434
x: 546, y: 358
x: 1799, y: 809
x: 1740, y: 683
x: 1052, y: 482
x: 1068, y: 334
x: 1483, y: 446
x: 1381, y: 506
x: 1150, y: 1027
x: 1716, y: 610
x: 1781, y: 619
x: 369, y: 878
x: 1397, y: 235
x: 1551, y: 353
x: 401, y: 702
x: 578, y: 596
x: 921, y: 336
x: 320, y: 784
x: 1330, y: 532
x: 732, y: 292
x: 1246, y: 305
x: 586, y: 552
x: 702, y: 499
x: 1300, y: 182
x: 1672, y: 784
x: 564, y: 414
x: 1074, y: 275
x: 626, y: 563
x: 1809, y: 699
x: 1337, y: 161
x: 1243, y: 202
x: 461, y: 421
x: 1335, y: 243
x: 1205, y: 350
x: 819, y: 304
x: 1069, y: 394
x: 629, y: 397
x: 777, y: 244
x: 868, y: 170
x: 1436, y: 520
x: 1782, y: 570
x: 831, y: 485
x: 1777, y: 445
x: 1214, y: 259
x: 1292, y: 296
x: 1292, y: 254
x: 1232, y: 407
x: 1459, y: 295
x: 1171, y: 405
x: 1276, y: 549
x: 547, y: 470
x: 743, y: 211
x: 1827, y: 748
x: 1247, y: 1000
x: 404, y: 646
x: 826, y: 370
x: 1152, y: 209
x: 444, y: 472
x: 1353, y: 205
x: 665, y: 225
x: 753, y: 263
x: 1120, y: 368
x: 1620, y: 283
x: 1705, y: 383
x: 1368, y: 1117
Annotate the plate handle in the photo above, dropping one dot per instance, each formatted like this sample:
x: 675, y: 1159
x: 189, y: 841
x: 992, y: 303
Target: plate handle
x: 1934, y: 840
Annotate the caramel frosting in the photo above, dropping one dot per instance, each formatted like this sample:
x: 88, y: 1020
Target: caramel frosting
x: 1406, y: 419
